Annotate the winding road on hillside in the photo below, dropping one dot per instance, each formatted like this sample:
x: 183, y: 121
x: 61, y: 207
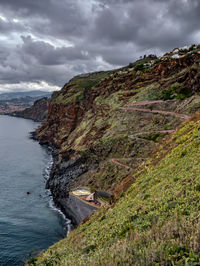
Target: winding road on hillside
x: 116, y: 161
x: 131, y: 107
x: 147, y: 103
x: 183, y: 116
x: 153, y: 132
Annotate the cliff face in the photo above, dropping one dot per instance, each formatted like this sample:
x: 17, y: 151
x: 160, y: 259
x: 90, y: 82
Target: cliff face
x: 105, y: 124
x: 98, y: 96
x: 117, y: 132
x: 155, y: 222
x: 37, y: 112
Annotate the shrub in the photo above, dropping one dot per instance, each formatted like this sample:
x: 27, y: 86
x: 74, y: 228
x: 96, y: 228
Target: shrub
x: 176, y: 91
x: 139, y: 67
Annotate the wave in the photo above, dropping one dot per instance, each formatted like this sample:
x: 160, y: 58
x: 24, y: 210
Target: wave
x: 48, y: 169
x: 67, y: 222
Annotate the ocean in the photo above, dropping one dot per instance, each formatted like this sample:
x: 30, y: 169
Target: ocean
x: 29, y: 222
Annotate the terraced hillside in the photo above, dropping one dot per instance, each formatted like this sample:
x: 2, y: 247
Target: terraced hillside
x: 105, y: 128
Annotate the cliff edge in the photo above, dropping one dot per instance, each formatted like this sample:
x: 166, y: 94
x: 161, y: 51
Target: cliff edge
x: 116, y: 131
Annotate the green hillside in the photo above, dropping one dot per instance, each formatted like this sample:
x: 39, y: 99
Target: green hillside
x: 156, y: 222
x: 120, y: 114
x: 133, y: 133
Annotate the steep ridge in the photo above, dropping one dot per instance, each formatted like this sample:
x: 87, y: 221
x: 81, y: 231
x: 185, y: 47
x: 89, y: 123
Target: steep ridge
x: 93, y: 119
x: 104, y: 127
x: 156, y: 222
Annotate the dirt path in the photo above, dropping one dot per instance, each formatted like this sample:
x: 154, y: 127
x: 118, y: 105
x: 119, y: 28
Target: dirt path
x: 116, y: 161
x: 145, y: 103
x: 183, y: 116
x: 153, y: 132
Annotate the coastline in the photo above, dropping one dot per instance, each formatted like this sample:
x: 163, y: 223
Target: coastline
x: 18, y: 116
x: 58, y: 183
x: 29, y: 225
x: 52, y: 205
x: 68, y: 223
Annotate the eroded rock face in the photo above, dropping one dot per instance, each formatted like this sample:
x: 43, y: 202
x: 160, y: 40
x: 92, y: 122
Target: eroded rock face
x: 62, y: 175
x: 89, y: 123
x: 65, y: 115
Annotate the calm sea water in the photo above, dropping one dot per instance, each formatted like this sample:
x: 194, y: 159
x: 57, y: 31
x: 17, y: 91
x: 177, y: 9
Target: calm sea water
x: 28, y: 223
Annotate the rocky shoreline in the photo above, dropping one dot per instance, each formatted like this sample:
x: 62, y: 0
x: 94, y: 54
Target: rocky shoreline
x: 62, y: 174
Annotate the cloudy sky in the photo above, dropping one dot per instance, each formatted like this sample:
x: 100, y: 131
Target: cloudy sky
x: 44, y: 43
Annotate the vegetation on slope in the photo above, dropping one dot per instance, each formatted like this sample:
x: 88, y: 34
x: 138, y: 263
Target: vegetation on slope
x: 113, y: 121
x: 90, y: 116
x: 155, y: 222
x: 78, y: 87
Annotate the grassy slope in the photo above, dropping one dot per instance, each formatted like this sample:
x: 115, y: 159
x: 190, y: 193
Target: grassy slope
x: 103, y: 133
x: 78, y: 87
x: 155, y: 222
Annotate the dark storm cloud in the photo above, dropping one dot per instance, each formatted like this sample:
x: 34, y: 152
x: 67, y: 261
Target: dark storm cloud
x: 148, y: 24
x: 52, y: 40
x: 48, y: 16
x: 47, y: 54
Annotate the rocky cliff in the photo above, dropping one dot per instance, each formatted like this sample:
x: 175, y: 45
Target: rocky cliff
x: 105, y: 127
x: 37, y: 112
x: 155, y: 222
x: 105, y: 124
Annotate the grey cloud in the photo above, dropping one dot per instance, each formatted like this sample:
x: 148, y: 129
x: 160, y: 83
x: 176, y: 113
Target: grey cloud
x: 102, y: 34
x: 147, y: 25
x: 47, y: 54
x: 8, y: 27
x: 48, y: 16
